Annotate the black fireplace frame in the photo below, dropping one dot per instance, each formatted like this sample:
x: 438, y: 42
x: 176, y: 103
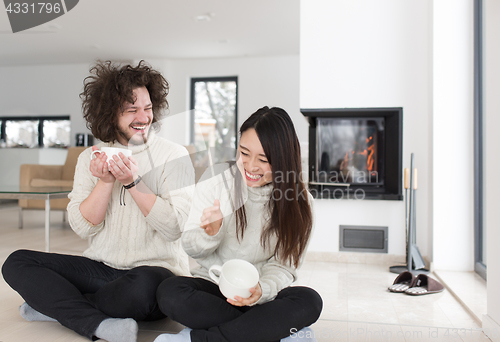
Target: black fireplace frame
x: 392, y: 188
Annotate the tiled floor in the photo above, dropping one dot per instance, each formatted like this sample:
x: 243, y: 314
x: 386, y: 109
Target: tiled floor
x: 469, y: 288
x: 357, y: 305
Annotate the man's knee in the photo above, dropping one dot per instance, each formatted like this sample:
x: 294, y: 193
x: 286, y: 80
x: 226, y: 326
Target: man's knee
x: 147, y: 278
x: 140, y: 285
x: 169, y: 293
x: 11, y: 266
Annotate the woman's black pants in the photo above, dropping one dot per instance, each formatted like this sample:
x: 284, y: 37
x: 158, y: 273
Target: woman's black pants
x: 198, y: 304
x: 80, y: 293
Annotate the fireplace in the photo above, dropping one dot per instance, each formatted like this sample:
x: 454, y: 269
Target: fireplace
x: 355, y: 153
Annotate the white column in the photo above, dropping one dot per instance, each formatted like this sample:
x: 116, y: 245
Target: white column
x: 452, y: 136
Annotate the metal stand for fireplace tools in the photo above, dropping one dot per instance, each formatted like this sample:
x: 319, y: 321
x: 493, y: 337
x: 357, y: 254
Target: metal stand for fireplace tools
x: 414, y: 261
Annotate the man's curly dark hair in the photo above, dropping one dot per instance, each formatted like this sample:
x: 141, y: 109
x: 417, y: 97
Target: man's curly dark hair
x: 110, y: 86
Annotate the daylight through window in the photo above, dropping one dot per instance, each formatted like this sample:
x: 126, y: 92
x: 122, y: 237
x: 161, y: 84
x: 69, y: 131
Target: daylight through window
x: 214, y: 118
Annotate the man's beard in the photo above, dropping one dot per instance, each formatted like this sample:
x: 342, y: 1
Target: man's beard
x: 135, y: 139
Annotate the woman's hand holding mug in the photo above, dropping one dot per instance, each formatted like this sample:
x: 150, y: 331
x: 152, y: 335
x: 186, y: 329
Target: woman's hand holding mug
x: 256, y: 293
x: 238, y: 281
x: 211, y: 220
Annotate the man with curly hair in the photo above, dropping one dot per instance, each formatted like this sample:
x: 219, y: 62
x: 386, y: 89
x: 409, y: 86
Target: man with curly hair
x: 132, y: 209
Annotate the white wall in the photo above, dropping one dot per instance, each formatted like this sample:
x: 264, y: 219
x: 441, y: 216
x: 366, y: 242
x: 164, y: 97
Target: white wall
x: 40, y: 90
x: 262, y: 81
x: 366, y: 53
x: 452, y: 140
x: 44, y: 90
x: 55, y: 89
x: 492, y: 161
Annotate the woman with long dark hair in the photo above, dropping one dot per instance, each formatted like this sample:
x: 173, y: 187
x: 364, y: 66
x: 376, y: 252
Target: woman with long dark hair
x: 257, y: 210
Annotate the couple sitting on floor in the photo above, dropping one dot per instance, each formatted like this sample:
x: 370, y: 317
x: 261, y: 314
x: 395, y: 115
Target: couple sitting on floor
x: 142, y: 215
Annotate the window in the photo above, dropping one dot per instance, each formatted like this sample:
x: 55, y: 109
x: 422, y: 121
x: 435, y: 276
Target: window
x: 21, y: 133
x: 214, y: 119
x: 479, y: 231
x: 29, y: 132
x: 56, y: 133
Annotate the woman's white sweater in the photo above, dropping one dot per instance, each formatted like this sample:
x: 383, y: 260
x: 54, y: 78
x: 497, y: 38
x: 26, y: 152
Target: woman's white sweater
x: 126, y: 238
x: 225, y: 245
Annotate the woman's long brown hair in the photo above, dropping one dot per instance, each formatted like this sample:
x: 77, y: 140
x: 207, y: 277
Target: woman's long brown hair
x: 290, y: 211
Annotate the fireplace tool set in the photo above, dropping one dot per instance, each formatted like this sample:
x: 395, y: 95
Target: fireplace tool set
x: 414, y: 261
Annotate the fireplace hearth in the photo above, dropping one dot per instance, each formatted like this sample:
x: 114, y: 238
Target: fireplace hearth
x: 355, y: 153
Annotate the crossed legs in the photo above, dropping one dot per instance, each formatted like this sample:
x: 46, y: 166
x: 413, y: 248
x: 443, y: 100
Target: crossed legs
x: 198, y: 304
x: 81, y: 293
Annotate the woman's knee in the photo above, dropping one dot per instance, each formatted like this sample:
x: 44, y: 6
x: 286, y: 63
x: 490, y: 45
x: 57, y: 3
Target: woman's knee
x: 308, y: 300
x: 315, y: 301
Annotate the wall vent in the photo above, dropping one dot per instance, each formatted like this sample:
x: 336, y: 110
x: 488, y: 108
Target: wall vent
x: 369, y: 239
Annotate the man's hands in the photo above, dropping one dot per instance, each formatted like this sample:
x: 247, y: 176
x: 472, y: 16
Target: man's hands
x: 123, y: 169
x: 211, y: 220
x: 256, y: 294
x: 99, y: 167
x: 120, y: 168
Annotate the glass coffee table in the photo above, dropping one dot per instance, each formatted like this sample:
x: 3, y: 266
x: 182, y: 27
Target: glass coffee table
x: 42, y: 193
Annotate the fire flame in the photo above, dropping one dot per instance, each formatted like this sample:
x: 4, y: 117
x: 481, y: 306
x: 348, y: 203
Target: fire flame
x: 369, y: 153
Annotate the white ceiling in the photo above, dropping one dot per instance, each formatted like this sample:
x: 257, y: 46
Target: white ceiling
x: 156, y: 29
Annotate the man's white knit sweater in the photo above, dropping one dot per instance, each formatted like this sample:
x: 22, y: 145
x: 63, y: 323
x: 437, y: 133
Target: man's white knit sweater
x: 126, y: 238
x: 225, y: 245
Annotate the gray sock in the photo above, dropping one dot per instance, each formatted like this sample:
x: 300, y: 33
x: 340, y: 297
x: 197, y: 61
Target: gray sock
x: 118, y: 330
x: 30, y: 314
x: 183, y: 336
x: 304, y: 335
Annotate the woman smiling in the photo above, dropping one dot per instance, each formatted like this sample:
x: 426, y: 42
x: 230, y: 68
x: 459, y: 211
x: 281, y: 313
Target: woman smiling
x: 250, y: 212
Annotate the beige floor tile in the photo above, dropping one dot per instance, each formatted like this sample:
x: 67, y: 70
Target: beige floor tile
x: 357, y: 305
x: 70, y: 336
x: 427, y: 334
x: 329, y: 331
x: 368, y: 332
x: 428, y: 315
x: 7, y: 328
x: 330, y: 283
x: 147, y: 336
x: 40, y: 332
x: 11, y: 315
x: 303, y: 277
x: 375, y: 310
x: 360, y: 268
x: 337, y: 267
x: 163, y: 325
x: 334, y: 308
x: 469, y: 286
x: 473, y: 335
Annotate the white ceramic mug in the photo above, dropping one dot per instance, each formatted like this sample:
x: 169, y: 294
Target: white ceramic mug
x: 112, y: 151
x: 236, y: 278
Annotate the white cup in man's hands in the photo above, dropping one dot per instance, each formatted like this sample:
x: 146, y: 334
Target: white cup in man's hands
x: 236, y: 278
x: 112, y: 151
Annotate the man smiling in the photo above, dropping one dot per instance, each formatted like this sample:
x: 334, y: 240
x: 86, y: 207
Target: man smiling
x: 131, y: 208
x: 134, y: 122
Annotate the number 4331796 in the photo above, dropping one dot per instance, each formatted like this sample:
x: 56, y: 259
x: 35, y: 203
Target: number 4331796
x: 40, y: 7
